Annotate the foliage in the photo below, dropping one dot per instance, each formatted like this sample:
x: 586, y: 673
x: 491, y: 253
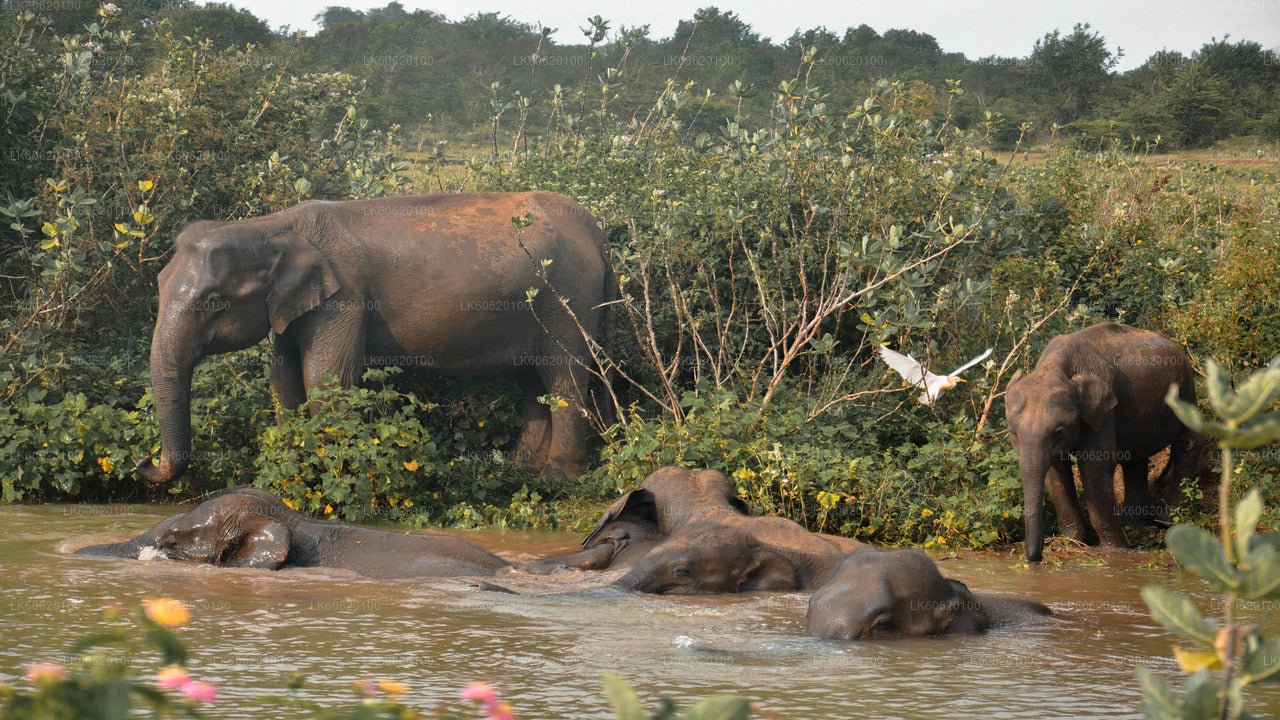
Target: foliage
x: 626, y: 705
x: 375, y: 452
x: 1241, y: 564
x: 945, y: 487
x: 99, y: 680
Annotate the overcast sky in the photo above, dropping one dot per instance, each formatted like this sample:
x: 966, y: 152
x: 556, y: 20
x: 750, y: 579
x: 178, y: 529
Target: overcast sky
x: 977, y: 28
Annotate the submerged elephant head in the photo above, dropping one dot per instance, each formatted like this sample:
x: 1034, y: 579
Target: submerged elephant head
x: 889, y: 593
x: 672, y: 498
x: 1047, y: 411
x: 225, y: 287
x: 241, y: 528
x: 712, y: 558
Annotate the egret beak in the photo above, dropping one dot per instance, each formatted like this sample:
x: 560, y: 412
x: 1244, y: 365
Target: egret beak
x: 960, y: 380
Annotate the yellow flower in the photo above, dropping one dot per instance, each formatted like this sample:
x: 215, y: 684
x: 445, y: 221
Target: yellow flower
x: 167, y: 611
x: 328, y: 509
x: 926, y: 512
x: 411, y: 465
x: 105, y: 464
x: 391, y: 687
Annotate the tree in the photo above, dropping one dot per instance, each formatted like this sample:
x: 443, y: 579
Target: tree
x: 222, y: 24
x: 715, y: 27
x: 1197, y: 103
x: 1072, y: 69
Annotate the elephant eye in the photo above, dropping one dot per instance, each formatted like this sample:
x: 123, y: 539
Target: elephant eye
x: 884, y: 625
x: 682, y: 572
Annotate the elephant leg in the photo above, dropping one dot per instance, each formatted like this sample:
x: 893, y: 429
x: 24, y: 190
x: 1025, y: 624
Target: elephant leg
x: 1140, y: 507
x: 1062, y: 491
x: 286, y: 373
x: 1098, y: 478
x: 331, y: 344
x: 567, y: 452
x: 1184, y: 455
x: 535, y: 437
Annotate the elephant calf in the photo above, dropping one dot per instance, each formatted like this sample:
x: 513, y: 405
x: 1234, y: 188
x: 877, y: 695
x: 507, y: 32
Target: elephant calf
x: 1097, y: 396
x: 876, y: 593
x: 247, y: 527
x: 671, y: 499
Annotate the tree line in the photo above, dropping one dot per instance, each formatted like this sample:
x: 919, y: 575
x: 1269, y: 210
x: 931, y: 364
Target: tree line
x: 421, y: 68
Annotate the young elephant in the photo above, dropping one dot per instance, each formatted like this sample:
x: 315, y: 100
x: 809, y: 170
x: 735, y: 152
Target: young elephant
x: 1098, y: 395
x: 671, y: 499
x: 890, y: 593
x: 247, y: 527
x: 621, y: 543
x: 712, y: 557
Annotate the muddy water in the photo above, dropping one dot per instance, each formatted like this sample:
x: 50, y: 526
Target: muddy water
x: 253, y: 629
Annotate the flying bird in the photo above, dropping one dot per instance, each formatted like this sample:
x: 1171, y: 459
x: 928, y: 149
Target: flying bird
x: 916, y: 374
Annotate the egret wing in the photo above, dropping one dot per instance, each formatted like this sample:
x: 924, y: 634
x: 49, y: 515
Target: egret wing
x: 908, y: 367
x: 972, y: 362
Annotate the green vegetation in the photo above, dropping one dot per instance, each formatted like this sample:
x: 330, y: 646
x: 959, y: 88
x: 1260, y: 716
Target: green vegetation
x: 1241, y: 564
x: 766, y: 238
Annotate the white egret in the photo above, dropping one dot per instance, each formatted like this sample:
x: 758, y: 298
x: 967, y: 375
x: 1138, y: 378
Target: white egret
x: 916, y: 374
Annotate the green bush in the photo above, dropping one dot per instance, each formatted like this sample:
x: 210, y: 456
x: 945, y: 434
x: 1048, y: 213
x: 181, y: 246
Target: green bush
x: 945, y: 488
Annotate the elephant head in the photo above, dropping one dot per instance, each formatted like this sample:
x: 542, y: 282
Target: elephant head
x: 1047, y: 411
x: 242, y: 528
x: 672, y: 498
x: 712, y: 558
x: 887, y: 593
x: 226, y: 285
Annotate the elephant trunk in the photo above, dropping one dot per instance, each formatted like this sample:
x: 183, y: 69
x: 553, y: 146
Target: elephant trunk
x: 171, y: 368
x: 1033, y: 472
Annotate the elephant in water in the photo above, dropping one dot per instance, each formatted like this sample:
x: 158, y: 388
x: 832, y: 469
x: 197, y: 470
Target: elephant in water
x: 247, y: 527
x: 874, y: 593
x: 436, y: 282
x: 711, y: 557
x: 671, y: 499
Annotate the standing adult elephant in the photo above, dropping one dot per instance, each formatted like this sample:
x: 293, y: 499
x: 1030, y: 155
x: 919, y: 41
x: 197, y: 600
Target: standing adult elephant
x: 1098, y: 395
x: 431, y: 281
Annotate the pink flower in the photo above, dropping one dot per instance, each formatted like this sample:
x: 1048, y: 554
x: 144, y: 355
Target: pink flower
x: 202, y: 691
x: 39, y: 673
x: 176, y: 678
x: 482, y: 693
x: 172, y: 678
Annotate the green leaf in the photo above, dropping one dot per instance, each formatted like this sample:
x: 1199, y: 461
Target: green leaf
x: 623, y: 700
x: 1253, y: 434
x: 1178, y: 615
x: 1187, y: 412
x: 1200, y: 552
x: 1261, y: 663
x: 1200, y: 698
x: 1159, y: 701
x: 172, y: 651
x: 1260, y: 579
x: 1247, y: 514
x: 720, y: 707
x: 1257, y: 392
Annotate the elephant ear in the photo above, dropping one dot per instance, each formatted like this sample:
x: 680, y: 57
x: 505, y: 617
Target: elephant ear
x: 636, y: 506
x: 261, y: 543
x: 970, y: 615
x: 770, y: 570
x: 301, y: 279
x: 1095, y: 397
